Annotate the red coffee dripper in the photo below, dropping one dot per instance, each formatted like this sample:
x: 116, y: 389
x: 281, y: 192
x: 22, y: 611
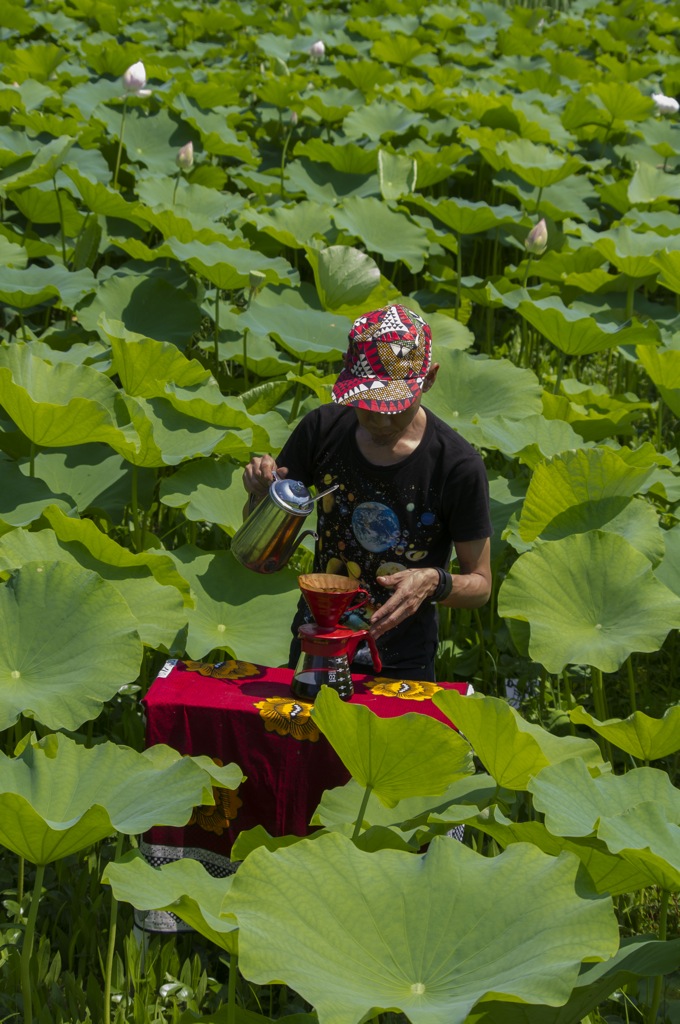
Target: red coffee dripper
x: 328, y: 648
x: 330, y: 596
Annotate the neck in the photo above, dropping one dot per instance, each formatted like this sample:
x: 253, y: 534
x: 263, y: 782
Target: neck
x: 391, y: 446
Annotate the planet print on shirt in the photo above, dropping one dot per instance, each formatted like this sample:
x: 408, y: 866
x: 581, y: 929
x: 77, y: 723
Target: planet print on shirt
x: 375, y: 526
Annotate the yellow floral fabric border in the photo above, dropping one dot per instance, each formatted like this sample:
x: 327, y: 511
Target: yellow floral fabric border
x: 288, y: 717
x: 407, y: 689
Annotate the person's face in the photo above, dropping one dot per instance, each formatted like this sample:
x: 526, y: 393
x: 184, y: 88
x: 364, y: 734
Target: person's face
x: 384, y: 428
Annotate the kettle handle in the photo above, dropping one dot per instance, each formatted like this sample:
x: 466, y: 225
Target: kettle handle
x: 360, y: 634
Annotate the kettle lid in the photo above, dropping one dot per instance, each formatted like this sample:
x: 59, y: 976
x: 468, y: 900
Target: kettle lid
x: 291, y: 495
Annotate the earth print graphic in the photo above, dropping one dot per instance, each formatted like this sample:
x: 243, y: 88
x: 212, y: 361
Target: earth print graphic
x: 375, y: 526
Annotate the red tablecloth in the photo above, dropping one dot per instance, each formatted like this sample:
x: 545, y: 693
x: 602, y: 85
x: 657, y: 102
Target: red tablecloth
x: 245, y: 713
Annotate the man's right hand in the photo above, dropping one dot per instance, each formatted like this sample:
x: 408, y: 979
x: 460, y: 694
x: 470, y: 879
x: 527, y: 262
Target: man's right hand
x: 259, y: 474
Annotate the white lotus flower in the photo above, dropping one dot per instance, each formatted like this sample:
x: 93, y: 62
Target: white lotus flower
x: 665, y: 104
x: 294, y: 117
x: 317, y: 49
x: 185, y: 157
x: 536, y: 241
x: 134, y: 80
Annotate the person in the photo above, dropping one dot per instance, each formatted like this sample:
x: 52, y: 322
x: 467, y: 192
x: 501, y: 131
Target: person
x: 410, y: 490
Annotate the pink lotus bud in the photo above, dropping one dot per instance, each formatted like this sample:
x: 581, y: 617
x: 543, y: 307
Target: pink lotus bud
x: 134, y: 80
x: 317, y: 49
x: 294, y: 118
x: 665, y: 104
x: 536, y: 241
x: 185, y: 157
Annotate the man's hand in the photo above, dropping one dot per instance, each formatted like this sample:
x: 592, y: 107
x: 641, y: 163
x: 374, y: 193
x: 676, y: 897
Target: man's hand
x: 409, y: 589
x: 259, y: 474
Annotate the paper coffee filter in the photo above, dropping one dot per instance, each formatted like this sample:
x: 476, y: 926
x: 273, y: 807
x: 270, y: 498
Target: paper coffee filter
x: 327, y: 583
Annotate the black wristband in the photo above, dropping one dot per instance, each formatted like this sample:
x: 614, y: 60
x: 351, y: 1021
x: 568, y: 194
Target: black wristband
x: 444, y: 587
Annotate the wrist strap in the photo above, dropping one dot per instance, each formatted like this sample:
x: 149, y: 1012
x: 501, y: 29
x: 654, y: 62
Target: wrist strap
x: 444, y: 586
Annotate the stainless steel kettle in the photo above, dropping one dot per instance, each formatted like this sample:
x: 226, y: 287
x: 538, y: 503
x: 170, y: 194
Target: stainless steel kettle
x: 269, y: 536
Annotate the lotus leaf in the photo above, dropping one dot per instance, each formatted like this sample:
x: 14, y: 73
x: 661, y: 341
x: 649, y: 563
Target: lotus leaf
x: 44, y: 165
x: 636, y: 815
x: 64, y: 683
x: 637, y: 958
x: 512, y: 750
x: 577, y: 332
x: 310, y: 335
x: 467, y: 218
x: 470, y: 389
x: 663, y: 366
x: 34, y: 285
x: 235, y: 608
x: 208, y: 491
x: 395, y: 940
x: 58, y: 797
x: 323, y: 185
x: 646, y: 738
x: 592, y: 412
x: 292, y: 226
x: 669, y: 570
x: 651, y: 183
x: 344, y: 276
x: 589, y: 599
x: 379, y: 120
x: 530, y: 439
x: 578, y: 491
x: 411, y: 755
x: 348, y: 158
x: 22, y: 498
x: 184, y: 887
x: 144, y: 366
x: 397, y: 173
x: 382, y: 230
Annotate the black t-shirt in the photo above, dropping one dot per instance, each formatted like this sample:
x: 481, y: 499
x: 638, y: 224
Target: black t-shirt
x: 383, y: 519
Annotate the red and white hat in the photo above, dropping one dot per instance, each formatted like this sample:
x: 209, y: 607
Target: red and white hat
x: 386, y: 363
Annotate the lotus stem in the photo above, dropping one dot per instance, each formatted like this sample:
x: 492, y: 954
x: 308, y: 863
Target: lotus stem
x: 560, y: 372
x: 659, y: 424
x: 111, y: 948
x: 283, y: 160
x: 61, y: 219
x: 134, y: 505
x: 245, y: 357
x: 298, y: 396
x: 20, y: 881
x: 174, y: 191
x: 631, y: 683
x: 459, y: 269
x: 27, y: 948
x: 362, y: 811
x: 658, y: 981
x: 231, y: 1002
x: 526, y: 272
x: 600, y: 702
x: 482, y: 646
x: 216, y: 336
x: 120, y: 144
x: 31, y: 460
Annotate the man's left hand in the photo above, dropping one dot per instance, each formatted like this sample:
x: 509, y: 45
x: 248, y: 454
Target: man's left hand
x: 409, y: 589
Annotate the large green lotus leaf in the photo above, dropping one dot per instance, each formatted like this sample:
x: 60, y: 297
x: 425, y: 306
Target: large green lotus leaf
x: 167, y: 436
x: 229, y: 267
x: 42, y: 167
x: 151, y: 301
x: 646, y: 738
x: 651, y: 183
x: 344, y: 276
x: 100, y: 199
x: 592, y: 411
x: 245, y: 613
x: 263, y: 357
x: 395, y: 939
x: 669, y: 570
x: 623, y: 100
x: 216, y: 135
x: 198, y: 204
x: 311, y: 335
x: 292, y: 226
x: 320, y: 183
x: 69, y: 643
x: 637, y: 958
x: 669, y: 265
x: 578, y: 491
x: 511, y: 749
x: 411, y: 755
x: 34, y: 285
x: 43, y: 206
x: 589, y: 599
x: 663, y: 366
x: 636, y: 815
x: 382, y: 230
x: 397, y: 174
x: 158, y: 611
x: 23, y: 498
x: 470, y: 389
x: 153, y: 140
x: 183, y: 887
x: 379, y: 120
x: 631, y: 251
x: 144, y: 365
x: 339, y: 807
x: 465, y: 217
x: 347, y: 157
x: 209, y: 490
x: 531, y: 439
x: 610, y: 873
x: 538, y: 165
x: 578, y: 333
x: 58, y: 797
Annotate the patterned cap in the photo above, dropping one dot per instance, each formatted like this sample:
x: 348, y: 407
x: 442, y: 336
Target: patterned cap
x: 389, y: 354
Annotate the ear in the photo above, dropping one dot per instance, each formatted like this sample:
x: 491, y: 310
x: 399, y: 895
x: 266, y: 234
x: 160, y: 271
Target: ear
x: 431, y: 377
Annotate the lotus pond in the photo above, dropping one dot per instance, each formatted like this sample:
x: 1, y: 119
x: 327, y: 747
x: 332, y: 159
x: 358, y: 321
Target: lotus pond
x: 197, y: 199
